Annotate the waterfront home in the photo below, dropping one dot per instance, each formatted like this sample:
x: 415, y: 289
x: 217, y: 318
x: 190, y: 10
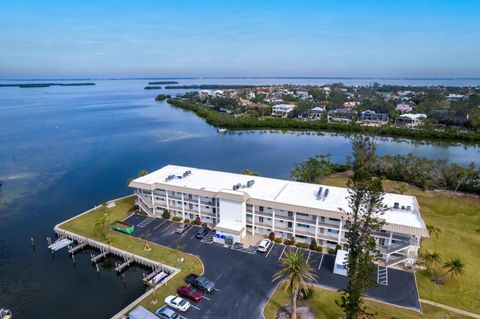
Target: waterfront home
x: 450, y: 118
x: 404, y: 107
x: 316, y: 112
x: 282, y: 110
x: 239, y: 206
x: 410, y: 120
x: 340, y: 115
x: 373, y: 117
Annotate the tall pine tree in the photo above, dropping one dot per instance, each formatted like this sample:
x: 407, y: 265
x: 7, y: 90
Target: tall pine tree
x: 365, y: 205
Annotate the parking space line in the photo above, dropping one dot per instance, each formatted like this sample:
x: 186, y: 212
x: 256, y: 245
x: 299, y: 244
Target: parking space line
x: 182, y: 317
x: 269, y: 250
x: 216, y: 289
x: 282, y: 252
x: 321, y: 260
x: 203, y: 297
x: 173, y: 223
x: 160, y: 224
x: 308, y: 257
x: 194, y: 307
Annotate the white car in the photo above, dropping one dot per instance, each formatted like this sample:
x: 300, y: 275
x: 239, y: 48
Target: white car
x: 264, y: 245
x: 177, y: 303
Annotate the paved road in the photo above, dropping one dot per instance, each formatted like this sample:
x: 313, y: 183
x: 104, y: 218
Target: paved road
x: 244, y: 280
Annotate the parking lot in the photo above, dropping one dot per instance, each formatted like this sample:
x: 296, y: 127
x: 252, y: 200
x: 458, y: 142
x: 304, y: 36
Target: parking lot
x: 244, y: 278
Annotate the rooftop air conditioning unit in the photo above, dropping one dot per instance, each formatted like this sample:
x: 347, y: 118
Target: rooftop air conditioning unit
x: 326, y: 193
x: 319, y: 193
x: 396, y: 205
x: 250, y: 183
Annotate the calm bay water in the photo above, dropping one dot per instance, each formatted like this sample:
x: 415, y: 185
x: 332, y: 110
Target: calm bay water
x: 65, y: 149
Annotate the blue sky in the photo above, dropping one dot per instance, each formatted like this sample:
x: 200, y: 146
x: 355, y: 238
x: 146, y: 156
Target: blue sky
x: 422, y: 38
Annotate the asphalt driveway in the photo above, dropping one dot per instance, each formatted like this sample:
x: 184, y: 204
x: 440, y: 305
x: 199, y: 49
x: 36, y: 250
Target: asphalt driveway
x: 243, y: 280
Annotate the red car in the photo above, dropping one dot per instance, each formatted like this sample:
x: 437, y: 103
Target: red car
x: 190, y: 293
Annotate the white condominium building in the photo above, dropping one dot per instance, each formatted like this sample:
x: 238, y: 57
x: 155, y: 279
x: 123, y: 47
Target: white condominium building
x: 237, y: 205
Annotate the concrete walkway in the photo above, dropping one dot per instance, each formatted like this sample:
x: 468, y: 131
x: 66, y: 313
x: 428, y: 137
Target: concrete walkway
x: 452, y: 309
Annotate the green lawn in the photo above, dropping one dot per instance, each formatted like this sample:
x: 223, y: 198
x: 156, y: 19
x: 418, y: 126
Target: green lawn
x: 322, y: 303
x: 84, y: 225
x: 459, y: 221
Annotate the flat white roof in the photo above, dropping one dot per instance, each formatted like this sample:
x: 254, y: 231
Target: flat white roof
x: 283, y: 191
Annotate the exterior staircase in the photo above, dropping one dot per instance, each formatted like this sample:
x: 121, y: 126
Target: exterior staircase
x: 382, y: 275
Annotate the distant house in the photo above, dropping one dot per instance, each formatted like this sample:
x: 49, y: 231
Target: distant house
x: 350, y: 105
x: 340, y: 115
x: 302, y: 94
x: 455, y: 97
x: 282, y: 109
x: 373, y: 117
x: 450, y: 118
x: 410, y: 119
x: 274, y: 100
x: 404, y: 107
x: 316, y: 112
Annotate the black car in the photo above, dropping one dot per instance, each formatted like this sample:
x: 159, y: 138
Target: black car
x: 202, y: 232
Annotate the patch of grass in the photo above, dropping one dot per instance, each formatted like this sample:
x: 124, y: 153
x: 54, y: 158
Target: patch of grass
x: 85, y: 225
x: 458, y: 219
x: 322, y: 304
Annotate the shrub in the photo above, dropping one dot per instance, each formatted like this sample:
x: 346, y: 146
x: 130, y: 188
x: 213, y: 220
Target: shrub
x: 306, y: 293
x: 313, y: 244
x: 331, y: 251
x: 186, y: 221
x: 320, y: 249
x: 292, y: 240
x: 166, y: 214
x: 271, y: 236
x: 287, y: 242
x: 278, y: 240
x: 301, y: 245
x: 197, y: 221
x: 204, y: 225
x: 177, y: 218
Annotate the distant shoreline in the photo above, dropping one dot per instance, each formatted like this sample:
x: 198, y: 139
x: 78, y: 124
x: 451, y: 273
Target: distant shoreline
x: 44, y: 85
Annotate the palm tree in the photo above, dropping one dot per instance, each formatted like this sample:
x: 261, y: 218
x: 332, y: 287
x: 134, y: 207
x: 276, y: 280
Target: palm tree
x: 297, y: 275
x: 102, y: 226
x: 454, y: 266
x: 431, y: 259
x: 432, y: 230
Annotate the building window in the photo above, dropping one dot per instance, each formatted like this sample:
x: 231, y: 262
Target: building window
x: 381, y: 241
x: 260, y: 208
x: 260, y: 219
x: 334, y: 219
x: 302, y: 214
x: 190, y: 196
x: 333, y: 231
x: 303, y: 225
x: 290, y: 214
x: 190, y: 206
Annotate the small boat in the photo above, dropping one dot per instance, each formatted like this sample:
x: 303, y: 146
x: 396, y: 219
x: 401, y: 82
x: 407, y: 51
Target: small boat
x: 5, y: 314
x: 222, y: 130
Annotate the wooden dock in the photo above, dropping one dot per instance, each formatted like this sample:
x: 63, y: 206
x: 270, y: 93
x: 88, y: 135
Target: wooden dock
x: 123, y: 266
x: 84, y: 241
x: 97, y: 258
x: 75, y: 249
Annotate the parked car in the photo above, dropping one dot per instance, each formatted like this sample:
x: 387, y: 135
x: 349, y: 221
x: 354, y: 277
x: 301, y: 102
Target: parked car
x: 202, y: 232
x: 264, y: 245
x: 177, y: 303
x: 139, y: 313
x: 166, y: 313
x: 190, y: 292
x: 200, y: 282
x: 182, y: 228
